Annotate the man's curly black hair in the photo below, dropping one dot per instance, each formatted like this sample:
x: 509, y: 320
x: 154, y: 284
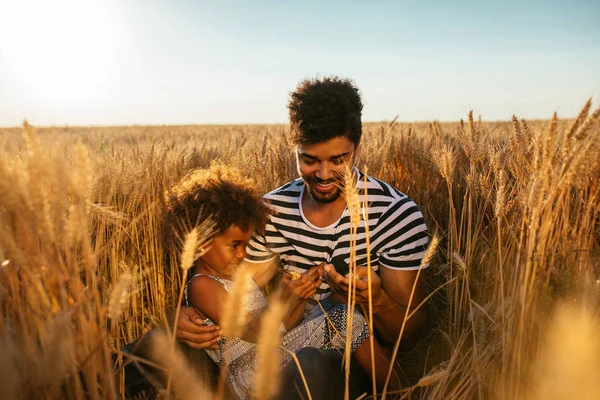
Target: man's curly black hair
x: 323, y: 109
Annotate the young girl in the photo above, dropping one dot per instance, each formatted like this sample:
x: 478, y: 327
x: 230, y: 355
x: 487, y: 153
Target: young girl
x: 236, y: 206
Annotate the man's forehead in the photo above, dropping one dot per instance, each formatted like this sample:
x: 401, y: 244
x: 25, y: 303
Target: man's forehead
x: 317, y: 155
x: 330, y: 149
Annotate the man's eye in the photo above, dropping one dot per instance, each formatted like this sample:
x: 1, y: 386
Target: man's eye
x: 338, y: 161
x: 308, y: 162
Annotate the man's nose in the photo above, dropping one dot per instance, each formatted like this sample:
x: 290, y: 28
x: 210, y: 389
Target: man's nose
x: 324, y: 171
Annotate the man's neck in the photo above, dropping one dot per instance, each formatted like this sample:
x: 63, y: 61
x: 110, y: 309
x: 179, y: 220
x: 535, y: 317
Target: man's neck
x: 322, y: 214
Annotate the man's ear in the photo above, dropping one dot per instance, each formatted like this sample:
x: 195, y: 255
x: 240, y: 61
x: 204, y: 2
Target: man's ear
x: 355, y: 153
x: 297, y: 159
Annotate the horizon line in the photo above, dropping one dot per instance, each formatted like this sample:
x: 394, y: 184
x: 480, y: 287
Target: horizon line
x: 167, y: 125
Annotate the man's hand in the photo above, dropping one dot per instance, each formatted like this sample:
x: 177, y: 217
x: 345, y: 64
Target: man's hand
x: 192, y: 331
x: 392, y: 293
x: 339, y: 284
x: 306, y: 285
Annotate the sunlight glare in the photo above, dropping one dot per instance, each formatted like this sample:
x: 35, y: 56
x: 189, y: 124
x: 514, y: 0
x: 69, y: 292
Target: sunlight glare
x: 58, y: 51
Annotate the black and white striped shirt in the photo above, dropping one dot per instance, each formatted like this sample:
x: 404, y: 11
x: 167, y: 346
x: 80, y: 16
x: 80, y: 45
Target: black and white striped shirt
x: 397, y: 230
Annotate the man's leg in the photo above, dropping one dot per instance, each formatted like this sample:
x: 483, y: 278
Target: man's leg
x: 324, y: 374
x: 139, y: 376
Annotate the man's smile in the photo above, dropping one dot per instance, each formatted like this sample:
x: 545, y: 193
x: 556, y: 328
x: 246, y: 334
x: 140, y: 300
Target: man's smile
x: 325, y: 186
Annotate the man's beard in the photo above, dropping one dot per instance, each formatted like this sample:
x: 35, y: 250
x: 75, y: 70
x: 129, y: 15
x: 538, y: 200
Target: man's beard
x: 319, y: 197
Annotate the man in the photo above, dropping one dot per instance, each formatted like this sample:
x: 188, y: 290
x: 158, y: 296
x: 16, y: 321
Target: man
x: 311, y: 229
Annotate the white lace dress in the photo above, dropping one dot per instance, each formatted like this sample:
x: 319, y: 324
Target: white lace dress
x: 315, y: 330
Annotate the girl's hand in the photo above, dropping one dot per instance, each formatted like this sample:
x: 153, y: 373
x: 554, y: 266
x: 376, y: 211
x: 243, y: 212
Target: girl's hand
x: 305, y: 285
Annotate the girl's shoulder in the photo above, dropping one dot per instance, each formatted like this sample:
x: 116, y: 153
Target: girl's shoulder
x: 207, y: 295
x: 202, y: 289
x: 209, y: 281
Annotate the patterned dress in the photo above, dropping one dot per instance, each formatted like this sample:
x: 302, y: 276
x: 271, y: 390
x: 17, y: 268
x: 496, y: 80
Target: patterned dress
x: 316, y: 330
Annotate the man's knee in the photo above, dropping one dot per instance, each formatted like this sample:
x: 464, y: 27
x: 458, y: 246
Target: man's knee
x: 139, y: 375
x: 308, y: 354
x: 142, y: 346
x: 320, y: 370
x: 323, y: 364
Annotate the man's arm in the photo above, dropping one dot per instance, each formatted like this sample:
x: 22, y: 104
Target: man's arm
x: 394, y: 296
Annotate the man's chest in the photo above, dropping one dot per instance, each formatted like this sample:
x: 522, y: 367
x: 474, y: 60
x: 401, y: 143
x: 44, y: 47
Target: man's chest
x: 301, y: 246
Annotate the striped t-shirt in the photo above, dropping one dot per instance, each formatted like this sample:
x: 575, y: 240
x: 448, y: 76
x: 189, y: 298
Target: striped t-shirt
x: 397, y: 230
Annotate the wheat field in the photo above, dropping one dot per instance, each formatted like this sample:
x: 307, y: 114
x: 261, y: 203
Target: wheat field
x: 514, y: 284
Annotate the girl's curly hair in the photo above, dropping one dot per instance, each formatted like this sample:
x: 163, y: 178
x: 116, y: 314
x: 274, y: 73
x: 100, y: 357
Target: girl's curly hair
x: 322, y: 109
x: 219, y: 192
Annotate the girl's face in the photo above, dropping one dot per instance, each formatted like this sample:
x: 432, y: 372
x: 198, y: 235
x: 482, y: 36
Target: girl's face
x: 228, y: 249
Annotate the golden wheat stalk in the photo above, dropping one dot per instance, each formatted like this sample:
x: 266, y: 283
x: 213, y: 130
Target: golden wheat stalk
x: 235, y: 317
x: 330, y: 323
x: 570, y: 134
x: 235, y: 314
x: 194, y: 239
x: 268, y: 357
x: 184, y: 382
x: 295, y: 358
x: 118, y: 296
x: 426, y: 259
x: 444, y: 159
x: 369, y: 279
x: 354, y: 209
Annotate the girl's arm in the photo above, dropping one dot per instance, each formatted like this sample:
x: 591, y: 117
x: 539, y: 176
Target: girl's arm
x: 295, y: 315
x: 209, y: 297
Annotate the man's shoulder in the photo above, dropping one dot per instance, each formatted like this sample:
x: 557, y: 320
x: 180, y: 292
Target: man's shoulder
x: 376, y: 188
x: 292, y: 189
x: 387, y: 201
x: 285, y: 199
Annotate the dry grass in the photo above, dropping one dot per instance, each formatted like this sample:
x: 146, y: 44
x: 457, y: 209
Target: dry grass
x: 516, y: 205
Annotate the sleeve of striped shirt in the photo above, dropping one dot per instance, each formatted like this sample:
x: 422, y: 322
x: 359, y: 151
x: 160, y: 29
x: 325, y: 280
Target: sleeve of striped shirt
x: 403, y: 237
x: 257, y: 250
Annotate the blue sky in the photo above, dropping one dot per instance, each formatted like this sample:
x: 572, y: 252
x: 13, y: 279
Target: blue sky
x: 192, y: 62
